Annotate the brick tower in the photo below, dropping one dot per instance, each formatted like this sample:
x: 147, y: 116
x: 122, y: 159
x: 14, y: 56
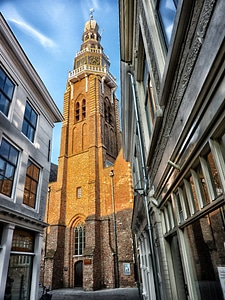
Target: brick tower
x: 89, y: 208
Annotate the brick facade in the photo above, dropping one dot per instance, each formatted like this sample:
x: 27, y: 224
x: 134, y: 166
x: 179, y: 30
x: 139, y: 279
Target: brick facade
x: 90, y: 150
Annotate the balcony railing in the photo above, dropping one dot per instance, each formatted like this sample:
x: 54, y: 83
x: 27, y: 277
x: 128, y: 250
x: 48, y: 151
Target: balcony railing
x: 92, y: 50
x: 91, y: 69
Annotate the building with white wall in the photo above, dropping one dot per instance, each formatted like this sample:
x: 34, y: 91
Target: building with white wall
x: 173, y: 123
x: 27, y: 117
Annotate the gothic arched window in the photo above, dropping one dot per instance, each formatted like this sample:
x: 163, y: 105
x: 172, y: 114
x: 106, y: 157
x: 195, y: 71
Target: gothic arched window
x: 105, y: 112
x: 79, y: 239
x: 83, y: 109
x: 77, y: 112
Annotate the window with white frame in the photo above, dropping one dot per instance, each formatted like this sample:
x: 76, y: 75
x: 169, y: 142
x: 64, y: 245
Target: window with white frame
x: 6, y: 92
x: 203, y: 183
x: 29, y: 122
x: 31, y: 184
x: 143, y: 75
x: 79, y: 192
x: 180, y: 207
x: 8, y: 163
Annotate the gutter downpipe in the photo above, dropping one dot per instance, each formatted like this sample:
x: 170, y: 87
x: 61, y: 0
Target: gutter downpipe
x: 145, y: 189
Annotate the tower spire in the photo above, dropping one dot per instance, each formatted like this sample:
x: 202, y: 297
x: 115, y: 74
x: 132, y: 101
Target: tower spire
x: 91, y: 13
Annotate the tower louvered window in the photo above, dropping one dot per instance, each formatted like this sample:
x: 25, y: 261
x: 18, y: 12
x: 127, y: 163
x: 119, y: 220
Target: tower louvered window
x: 83, y: 109
x: 77, y: 113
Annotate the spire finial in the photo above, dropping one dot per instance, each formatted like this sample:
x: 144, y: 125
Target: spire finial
x: 91, y: 13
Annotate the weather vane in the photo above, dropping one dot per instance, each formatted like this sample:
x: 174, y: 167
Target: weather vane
x: 91, y: 13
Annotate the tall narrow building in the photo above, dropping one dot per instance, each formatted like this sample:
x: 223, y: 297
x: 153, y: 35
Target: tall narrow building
x: 89, y: 209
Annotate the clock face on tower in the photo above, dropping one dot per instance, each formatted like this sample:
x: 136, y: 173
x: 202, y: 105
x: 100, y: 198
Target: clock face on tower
x: 81, y: 62
x: 94, y: 60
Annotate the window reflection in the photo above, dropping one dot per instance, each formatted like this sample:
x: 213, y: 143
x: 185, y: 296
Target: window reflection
x: 179, y: 207
x: 167, y: 12
x: 8, y: 162
x: 20, y: 266
x: 214, y: 174
x: 203, y: 186
x: 29, y: 122
x: 6, y: 92
x: 196, y: 205
x: 206, y: 242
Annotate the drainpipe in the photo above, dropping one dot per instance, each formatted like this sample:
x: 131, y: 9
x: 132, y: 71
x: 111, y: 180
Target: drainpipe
x: 116, y: 271
x: 145, y: 189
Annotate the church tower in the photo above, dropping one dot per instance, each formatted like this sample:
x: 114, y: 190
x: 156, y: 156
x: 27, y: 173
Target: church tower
x: 89, y: 208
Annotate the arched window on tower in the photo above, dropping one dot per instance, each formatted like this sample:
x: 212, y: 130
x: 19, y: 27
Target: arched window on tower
x: 83, y: 109
x: 108, y: 114
x: 77, y: 112
x: 110, y: 118
x: 105, y: 112
x: 79, y: 239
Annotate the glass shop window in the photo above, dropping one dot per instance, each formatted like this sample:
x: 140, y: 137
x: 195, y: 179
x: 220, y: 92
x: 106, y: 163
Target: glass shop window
x: 194, y: 194
x: 216, y: 184
x: 203, y: 186
x: 179, y: 206
x: 205, y: 243
x: 19, y: 275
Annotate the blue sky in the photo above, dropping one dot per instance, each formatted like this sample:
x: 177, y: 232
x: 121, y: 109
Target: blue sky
x: 50, y: 33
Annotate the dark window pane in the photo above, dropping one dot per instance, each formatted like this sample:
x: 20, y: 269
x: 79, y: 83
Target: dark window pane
x: 2, y: 79
x: 29, y: 122
x: 6, y: 92
x: 8, y: 89
x: 33, y: 118
x: 4, y: 104
x: 27, y: 111
x: 5, y: 149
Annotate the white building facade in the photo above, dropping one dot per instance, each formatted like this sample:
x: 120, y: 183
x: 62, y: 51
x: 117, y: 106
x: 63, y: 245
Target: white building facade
x: 27, y: 117
x: 173, y: 127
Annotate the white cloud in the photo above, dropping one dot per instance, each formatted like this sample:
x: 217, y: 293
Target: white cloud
x: 41, y: 38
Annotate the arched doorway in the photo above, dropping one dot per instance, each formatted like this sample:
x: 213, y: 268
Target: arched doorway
x: 78, y: 274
